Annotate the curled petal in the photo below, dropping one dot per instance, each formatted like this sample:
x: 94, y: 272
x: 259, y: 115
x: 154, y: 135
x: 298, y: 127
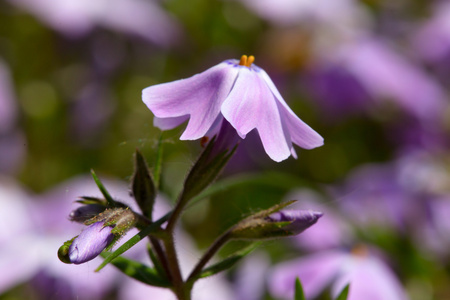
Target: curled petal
x: 252, y: 105
x: 169, y: 123
x: 300, y: 132
x: 199, y: 97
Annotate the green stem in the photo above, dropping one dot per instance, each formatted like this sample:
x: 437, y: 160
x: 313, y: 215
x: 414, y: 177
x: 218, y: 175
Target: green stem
x: 218, y: 243
x: 176, y: 213
x: 161, y: 255
x: 174, y: 268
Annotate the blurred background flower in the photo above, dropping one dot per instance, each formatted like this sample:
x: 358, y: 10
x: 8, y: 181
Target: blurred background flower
x: 370, y: 76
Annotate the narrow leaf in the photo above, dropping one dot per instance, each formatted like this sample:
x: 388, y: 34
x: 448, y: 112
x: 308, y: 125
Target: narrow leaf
x: 344, y: 294
x: 140, y: 272
x: 91, y: 200
x: 299, y: 295
x: 133, y: 241
x: 102, y: 188
x: 228, y: 262
x: 142, y: 185
x: 158, y: 266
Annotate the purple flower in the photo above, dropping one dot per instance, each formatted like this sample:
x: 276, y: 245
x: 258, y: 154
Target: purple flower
x: 233, y: 91
x: 90, y: 243
x: 368, y: 276
x: 300, y: 219
x: 386, y: 75
x: 75, y: 18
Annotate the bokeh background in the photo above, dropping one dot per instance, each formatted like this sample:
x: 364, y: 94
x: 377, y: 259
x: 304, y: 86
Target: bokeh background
x: 372, y: 77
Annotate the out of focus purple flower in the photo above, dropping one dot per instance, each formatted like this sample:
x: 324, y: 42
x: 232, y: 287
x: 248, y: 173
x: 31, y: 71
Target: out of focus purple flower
x: 233, y: 91
x: 332, y: 231
x: 432, y: 38
x: 250, y: 277
x: 368, y: 276
x: 77, y: 17
x: 372, y: 196
x: 385, y: 76
x: 340, y: 15
x: 337, y: 91
x: 12, y: 140
x: 90, y: 243
x: 433, y: 235
x: 90, y: 113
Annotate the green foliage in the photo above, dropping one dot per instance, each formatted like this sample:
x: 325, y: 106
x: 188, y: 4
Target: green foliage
x: 142, y: 185
x: 140, y: 272
x: 344, y: 293
x: 299, y: 295
x: 205, y: 170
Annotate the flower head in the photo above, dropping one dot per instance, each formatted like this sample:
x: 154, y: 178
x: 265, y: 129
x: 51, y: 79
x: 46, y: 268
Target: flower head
x: 233, y: 91
x: 90, y: 243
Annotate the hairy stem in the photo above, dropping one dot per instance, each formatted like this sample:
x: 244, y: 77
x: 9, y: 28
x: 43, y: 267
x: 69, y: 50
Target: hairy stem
x: 218, y: 243
x: 174, y: 268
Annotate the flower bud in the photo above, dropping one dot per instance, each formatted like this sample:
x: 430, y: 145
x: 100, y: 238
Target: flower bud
x: 86, y: 212
x: 103, y: 229
x: 276, y: 224
x: 90, y: 243
x: 299, y: 219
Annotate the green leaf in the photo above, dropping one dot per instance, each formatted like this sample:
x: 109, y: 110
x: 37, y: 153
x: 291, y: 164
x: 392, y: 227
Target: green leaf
x: 299, y: 295
x: 91, y: 200
x: 158, y: 266
x: 344, y: 293
x: 228, y: 262
x: 142, y: 186
x: 140, y: 272
x: 134, y: 240
x: 105, y: 193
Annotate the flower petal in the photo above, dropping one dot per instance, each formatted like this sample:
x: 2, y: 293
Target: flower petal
x: 369, y: 278
x: 199, y: 96
x: 314, y: 271
x: 301, y: 133
x: 169, y: 123
x: 251, y: 105
x: 90, y: 243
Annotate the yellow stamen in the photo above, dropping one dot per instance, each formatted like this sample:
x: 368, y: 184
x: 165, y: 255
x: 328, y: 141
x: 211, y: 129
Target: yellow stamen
x: 246, y: 61
x: 360, y: 250
x: 243, y: 60
x: 250, y: 60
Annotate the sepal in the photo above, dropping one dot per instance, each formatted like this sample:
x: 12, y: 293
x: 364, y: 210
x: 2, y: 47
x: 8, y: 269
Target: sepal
x: 142, y: 185
x: 63, y: 251
x: 206, y: 169
x: 299, y: 295
x: 344, y: 293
